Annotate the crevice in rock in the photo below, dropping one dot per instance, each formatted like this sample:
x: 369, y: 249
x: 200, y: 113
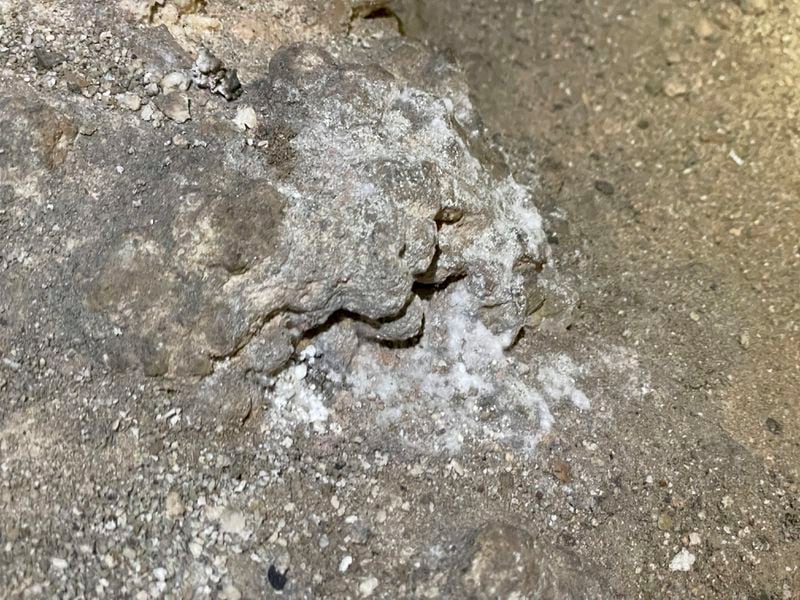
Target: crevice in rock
x: 374, y: 9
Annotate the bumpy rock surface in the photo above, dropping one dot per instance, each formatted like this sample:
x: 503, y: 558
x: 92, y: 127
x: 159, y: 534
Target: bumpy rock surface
x: 361, y: 193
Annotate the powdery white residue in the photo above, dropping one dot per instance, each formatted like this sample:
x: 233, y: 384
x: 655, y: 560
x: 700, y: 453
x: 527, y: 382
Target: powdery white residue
x: 293, y: 399
x: 558, y: 381
x: 460, y: 385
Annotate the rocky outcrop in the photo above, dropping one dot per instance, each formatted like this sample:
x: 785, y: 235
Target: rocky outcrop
x: 362, y: 188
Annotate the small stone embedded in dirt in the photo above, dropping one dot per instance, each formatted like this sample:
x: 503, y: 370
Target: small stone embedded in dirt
x: 368, y: 586
x: 604, y: 187
x: 174, y: 505
x: 48, y: 60
x: 675, y: 87
x: 744, y: 340
x: 754, y: 7
x: 561, y: 471
x: 175, y: 106
x: 345, y: 563
x: 129, y: 101
x: 276, y: 579
x: 704, y: 29
x: 682, y: 561
x: 654, y: 87
x: 233, y: 521
x: 175, y: 81
x: 245, y: 118
x: 773, y: 426
x: 208, y: 72
x: 505, y: 561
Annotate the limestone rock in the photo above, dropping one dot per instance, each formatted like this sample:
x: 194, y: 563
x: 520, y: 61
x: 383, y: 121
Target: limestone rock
x: 504, y: 561
x: 368, y: 189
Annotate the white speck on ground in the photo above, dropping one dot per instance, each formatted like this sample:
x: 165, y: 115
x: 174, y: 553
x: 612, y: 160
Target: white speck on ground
x: 682, y: 561
x: 367, y: 586
x: 345, y: 563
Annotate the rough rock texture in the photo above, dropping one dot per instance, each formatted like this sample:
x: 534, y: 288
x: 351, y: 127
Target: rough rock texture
x: 361, y: 193
x: 504, y: 561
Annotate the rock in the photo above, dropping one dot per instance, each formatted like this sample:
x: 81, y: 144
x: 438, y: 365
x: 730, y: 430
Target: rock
x: 233, y: 522
x: 673, y: 57
x: 48, y: 60
x: 129, y: 101
x: 504, y: 561
x: 604, y: 187
x: 653, y: 87
x: 209, y: 72
x: 35, y: 131
x: 175, y: 81
x: 276, y: 578
x: 245, y: 118
x: 704, y: 29
x: 345, y: 563
x: 230, y: 592
x: 59, y: 563
x: 754, y: 7
x: 148, y: 112
x: 773, y: 426
x: 175, y: 106
x: 368, y: 586
x: 372, y: 222
x: 674, y: 87
x: 174, y: 505
x: 744, y: 340
x: 682, y: 561
x: 561, y: 471
x: 405, y: 326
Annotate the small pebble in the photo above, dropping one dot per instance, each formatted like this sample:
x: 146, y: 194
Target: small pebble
x: 744, y: 340
x: 704, y: 29
x: 682, y: 561
x: 129, y: 101
x: 773, y: 426
x: 276, y: 579
x: 345, y: 563
x: 754, y: 7
x: 177, y: 81
x: 174, y: 505
x: 176, y: 107
x: 604, y: 187
x: 675, y: 87
x: 367, y: 587
x: 246, y: 118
